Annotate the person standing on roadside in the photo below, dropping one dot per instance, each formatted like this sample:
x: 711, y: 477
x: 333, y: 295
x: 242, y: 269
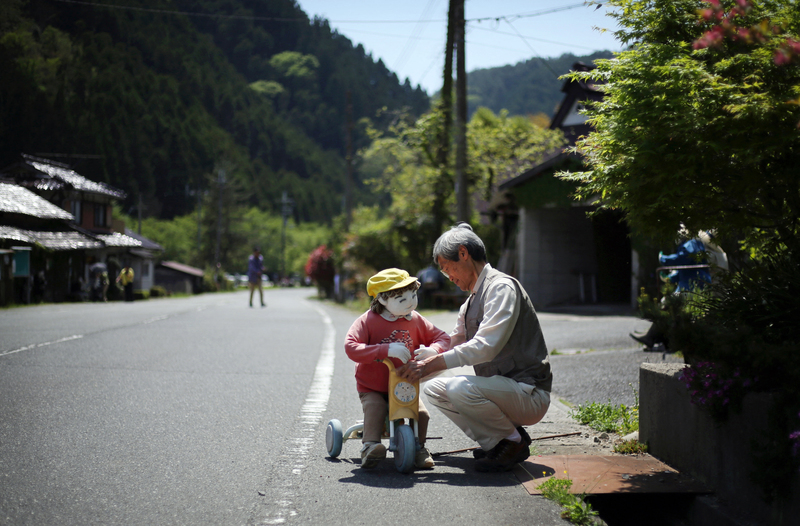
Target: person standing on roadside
x: 125, y: 279
x: 255, y: 269
x: 498, y: 333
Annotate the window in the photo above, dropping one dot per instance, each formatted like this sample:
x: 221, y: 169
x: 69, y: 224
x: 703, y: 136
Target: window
x: 100, y: 217
x: 75, y: 209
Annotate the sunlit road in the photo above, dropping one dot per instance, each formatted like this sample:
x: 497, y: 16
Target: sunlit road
x: 203, y: 411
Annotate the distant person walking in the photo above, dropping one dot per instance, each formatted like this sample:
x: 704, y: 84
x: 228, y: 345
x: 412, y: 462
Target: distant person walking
x: 125, y: 279
x: 255, y: 269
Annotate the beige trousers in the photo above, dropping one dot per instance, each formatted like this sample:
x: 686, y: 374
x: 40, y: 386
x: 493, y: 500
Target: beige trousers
x: 488, y: 409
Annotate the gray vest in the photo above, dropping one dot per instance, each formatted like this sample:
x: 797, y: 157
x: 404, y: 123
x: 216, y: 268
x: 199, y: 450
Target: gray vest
x: 524, y: 357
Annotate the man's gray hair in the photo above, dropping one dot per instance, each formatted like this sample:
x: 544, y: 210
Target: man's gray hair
x: 459, y: 235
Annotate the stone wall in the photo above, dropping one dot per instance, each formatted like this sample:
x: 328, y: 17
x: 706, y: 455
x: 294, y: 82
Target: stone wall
x: 685, y: 437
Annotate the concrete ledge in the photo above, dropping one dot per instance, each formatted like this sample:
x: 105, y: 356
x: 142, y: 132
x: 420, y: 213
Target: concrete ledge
x: 719, y: 455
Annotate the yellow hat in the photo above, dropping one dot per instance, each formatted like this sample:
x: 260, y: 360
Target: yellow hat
x: 389, y: 279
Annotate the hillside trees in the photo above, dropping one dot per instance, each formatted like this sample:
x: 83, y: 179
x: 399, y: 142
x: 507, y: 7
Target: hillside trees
x: 404, y: 164
x: 148, y: 98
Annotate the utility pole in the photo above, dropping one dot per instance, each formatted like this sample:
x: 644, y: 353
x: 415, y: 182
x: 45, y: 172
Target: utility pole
x: 286, y: 211
x: 462, y: 195
x: 139, y: 212
x: 348, y: 184
x: 220, y: 185
x: 199, y: 218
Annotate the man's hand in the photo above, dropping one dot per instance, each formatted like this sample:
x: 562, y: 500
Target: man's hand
x: 400, y: 351
x: 412, y: 371
x: 416, y: 370
x: 423, y: 353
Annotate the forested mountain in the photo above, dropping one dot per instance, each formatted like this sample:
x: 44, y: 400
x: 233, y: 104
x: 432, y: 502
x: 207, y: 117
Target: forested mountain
x: 526, y: 88
x: 156, y: 96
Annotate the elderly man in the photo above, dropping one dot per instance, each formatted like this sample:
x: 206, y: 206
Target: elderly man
x: 498, y: 333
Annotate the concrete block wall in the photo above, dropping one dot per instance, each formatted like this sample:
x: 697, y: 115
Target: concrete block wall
x: 685, y: 437
x: 555, y: 245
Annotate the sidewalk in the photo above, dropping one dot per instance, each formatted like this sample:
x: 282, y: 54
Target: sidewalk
x: 557, y: 421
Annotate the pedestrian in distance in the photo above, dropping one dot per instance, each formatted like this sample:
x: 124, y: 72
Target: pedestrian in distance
x: 255, y: 269
x: 391, y: 328
x: 125, y: 278
x: 497, y: 333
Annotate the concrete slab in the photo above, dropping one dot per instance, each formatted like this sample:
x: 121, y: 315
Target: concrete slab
x: 606, y: 474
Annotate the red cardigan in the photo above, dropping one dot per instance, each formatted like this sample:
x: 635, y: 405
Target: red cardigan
x: 367, y: 343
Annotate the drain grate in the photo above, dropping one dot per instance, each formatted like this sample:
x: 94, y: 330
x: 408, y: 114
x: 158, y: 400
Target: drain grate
x: 606, y: 474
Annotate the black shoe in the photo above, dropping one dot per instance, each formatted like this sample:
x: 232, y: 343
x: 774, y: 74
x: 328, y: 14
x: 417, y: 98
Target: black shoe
x: 509, y: 454
x: 480, y: 453
x: 524, y: 434
x: 644, y: 339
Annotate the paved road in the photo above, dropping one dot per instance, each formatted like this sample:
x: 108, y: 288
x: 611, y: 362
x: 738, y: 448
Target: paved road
x: 203, y: 411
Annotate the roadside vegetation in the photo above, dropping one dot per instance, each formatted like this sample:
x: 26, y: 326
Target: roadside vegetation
x: 575, y: 509
x: 699, y: 129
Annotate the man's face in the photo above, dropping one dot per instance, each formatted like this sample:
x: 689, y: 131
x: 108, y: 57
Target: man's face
x: 400, y: 305
x: 461, y: 272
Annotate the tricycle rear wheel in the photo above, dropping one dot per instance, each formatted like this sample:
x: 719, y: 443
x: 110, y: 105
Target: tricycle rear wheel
x: 333, y: 438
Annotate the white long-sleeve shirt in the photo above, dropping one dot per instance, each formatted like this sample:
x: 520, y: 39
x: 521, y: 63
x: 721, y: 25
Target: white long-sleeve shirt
x: 501, y: 312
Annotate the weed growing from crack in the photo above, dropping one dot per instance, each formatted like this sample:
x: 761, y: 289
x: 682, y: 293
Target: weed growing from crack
x: 575, y: 508
x: 630, y: 447
x: 608, y: 417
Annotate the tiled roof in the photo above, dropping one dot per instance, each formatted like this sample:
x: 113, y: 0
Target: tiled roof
x: 69, y: 240
x: 148, y: 244
x: 18, y: 200
x: 54, y: 175
x: 180, y: 267
x: 119, y: 240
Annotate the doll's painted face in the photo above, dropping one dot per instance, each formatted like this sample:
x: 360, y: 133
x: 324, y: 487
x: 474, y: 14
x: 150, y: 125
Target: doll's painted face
x: 400, y: 305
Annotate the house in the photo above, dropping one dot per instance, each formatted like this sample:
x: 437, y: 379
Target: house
x: 46, y: 252
x: 143, y: 260
x: 63, y: 222
x: 559, y: 254
x: 179, y: 278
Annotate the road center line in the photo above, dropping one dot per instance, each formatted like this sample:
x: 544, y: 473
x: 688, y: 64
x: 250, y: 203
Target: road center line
x: 37, y: 345
x: 310, y: 414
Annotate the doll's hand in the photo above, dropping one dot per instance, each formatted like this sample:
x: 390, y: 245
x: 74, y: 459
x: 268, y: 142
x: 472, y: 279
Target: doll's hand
x: 400, y: 351
x: 424, y: 352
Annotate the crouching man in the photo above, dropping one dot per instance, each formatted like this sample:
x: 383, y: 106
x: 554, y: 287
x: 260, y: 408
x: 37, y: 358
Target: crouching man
x: 498, y: 333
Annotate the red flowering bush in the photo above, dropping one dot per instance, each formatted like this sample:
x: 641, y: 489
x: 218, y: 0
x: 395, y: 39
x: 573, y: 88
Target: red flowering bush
x: 321, y: 268
x: 727, y: 28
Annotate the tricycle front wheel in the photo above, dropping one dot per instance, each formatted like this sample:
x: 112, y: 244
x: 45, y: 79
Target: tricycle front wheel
x: 406, y: 449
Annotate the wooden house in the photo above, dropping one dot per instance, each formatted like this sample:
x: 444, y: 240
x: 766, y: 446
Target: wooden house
x: 64, y: 222
x: 560, y: 255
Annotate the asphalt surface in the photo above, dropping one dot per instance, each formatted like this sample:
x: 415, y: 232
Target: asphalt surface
x: 203, y: 411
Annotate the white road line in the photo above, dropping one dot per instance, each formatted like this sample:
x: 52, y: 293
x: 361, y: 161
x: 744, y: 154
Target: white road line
x: 310, y: 414
x: 37, y: 345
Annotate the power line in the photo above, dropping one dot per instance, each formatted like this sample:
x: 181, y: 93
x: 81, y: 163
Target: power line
x: 498, y: 32
x: 300, y: 19
x: 531, y: 48
x: 411, y: 42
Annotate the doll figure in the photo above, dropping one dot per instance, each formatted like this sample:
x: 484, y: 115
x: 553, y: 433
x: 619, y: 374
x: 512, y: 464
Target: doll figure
x: 391, y: 328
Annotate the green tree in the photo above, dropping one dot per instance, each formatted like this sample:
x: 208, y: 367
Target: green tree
x: 404, y: 164
x: 699, y: 125
x: 707, y: 137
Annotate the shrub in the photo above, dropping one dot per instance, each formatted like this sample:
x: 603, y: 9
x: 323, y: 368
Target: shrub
x: 158, y: 291
x: 320, y: 267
